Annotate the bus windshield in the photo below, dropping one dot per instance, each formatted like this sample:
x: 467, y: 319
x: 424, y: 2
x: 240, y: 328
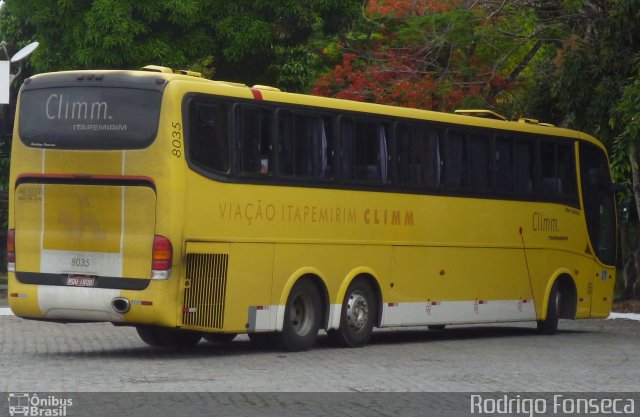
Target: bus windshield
x: 87, y: 117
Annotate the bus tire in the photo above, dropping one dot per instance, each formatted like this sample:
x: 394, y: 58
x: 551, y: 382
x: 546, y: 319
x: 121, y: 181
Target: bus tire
x: 550, y: 324
x: 166, y: 337
x: 301, y: 318
x: 219, y: 338
x: 357, y: 317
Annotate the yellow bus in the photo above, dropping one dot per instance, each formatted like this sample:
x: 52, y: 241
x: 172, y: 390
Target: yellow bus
x: 192, y: 208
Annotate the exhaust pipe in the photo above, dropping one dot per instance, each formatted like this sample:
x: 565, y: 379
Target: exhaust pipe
x: 120, y: 305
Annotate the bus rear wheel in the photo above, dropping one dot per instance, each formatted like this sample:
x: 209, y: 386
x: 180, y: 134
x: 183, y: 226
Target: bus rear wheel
x: 301, y: 318
x: 550, y: 324
x: 357, y: 317
x: 167, y: 337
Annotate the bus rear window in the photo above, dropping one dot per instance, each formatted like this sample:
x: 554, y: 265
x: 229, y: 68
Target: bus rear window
x: 89, y: 117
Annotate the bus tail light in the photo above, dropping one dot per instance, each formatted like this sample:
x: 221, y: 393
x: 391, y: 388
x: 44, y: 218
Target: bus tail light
x: 11, y: 250
x: 162, y: 258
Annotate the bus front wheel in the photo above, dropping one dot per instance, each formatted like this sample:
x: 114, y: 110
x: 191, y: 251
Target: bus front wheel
x: 166, y: 337
x: 301, y: 318
x: 357, y: 317
x: 550, y: 324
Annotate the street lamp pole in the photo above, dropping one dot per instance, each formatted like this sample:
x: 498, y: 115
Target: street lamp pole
x: 6, y: 78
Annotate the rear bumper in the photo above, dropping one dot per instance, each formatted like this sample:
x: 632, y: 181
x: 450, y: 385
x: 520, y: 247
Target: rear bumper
x: 60, y: 280
x: 154, y: 304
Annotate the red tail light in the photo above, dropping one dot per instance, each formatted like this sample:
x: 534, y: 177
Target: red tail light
x: 162, y: 254
x: 11, y: 250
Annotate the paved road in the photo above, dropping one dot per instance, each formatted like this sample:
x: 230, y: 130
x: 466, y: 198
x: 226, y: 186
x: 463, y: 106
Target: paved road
x: 587, y: 355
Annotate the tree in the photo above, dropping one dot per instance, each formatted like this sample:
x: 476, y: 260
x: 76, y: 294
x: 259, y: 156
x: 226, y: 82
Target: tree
x: 250, y: 41
x: 437, y: 54
x: 259, y: 41
x: 591, y: 82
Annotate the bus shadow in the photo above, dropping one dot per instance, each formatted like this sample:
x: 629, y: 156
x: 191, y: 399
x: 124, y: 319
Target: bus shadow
x: 244, y: 347
x: 456, y: 333
x: 459, y: 333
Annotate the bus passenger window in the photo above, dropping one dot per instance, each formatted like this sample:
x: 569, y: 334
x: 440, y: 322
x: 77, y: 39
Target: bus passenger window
x: 208, y: 139
x: 524, y: 168
x: 303, y: 148
x: 255, y: 143
x: 455, y: 160
x: 418, y: 155
x: 504, y: 165
x: 478, y: 148
x: 364, y: 151
x: 566, y: 170
x: 328, y: 150
x: 286, y: 139
x: 548, y: 178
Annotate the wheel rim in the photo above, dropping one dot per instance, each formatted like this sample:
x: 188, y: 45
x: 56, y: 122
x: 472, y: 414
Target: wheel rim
x: 301, y: 316
x: 357, y: 311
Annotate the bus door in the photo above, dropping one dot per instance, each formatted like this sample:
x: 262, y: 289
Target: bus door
x: 600, y: 214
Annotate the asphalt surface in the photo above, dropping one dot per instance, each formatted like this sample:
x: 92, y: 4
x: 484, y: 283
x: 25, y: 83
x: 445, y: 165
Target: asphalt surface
x: 586, y: 355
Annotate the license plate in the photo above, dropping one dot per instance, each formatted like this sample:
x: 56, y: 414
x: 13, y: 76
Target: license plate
x: 81, y: 281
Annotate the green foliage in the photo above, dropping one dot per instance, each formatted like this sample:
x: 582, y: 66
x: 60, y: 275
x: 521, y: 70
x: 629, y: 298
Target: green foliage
x: 436, y: 54
x: 625, y: 120
x: 580, y: 82
x: 257, y: 41
x: 106, y: 33
x: 592, y: 83
x: 269, y: 42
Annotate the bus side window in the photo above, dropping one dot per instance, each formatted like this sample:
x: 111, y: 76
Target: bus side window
x: 303, y: 148
x: 286, y: 139
x: 557, y: 170
x: 455, y: 160
x: 566, y: 170
x: 328, y: 151
x: 548, y: 178
x: 524, y: 174
x: 418, y: 155
x: 254, y: 125
x: 433, y: 171
x: 504, y: 177
x: 479, y: 163
x: 208, y: 136
x: 364, y: 151
x: 408, y: 169
x: 346, y: 148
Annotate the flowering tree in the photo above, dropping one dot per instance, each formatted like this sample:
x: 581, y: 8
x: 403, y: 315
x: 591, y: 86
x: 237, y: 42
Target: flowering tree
x: 435, y: 54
